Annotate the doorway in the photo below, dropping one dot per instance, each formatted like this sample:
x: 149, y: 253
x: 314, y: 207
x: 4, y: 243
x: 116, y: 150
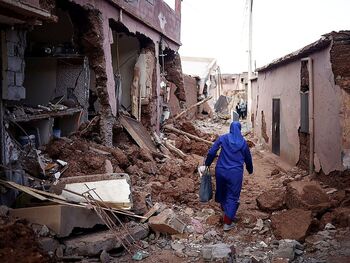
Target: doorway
x: 276, y: 126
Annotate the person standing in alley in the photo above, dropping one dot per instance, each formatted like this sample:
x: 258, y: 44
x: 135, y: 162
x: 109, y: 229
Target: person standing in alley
x: 229, y: 170
x: 238, y: 110
x: 243, y: 107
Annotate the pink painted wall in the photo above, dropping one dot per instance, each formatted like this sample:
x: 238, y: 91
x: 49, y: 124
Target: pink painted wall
x: 157, y: 15
x: 284, y: 82
x: 328, y: 132
x: 149, y: 27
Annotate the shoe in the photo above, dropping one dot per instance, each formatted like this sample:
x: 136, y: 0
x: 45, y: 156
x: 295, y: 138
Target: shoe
x: 229, y: 227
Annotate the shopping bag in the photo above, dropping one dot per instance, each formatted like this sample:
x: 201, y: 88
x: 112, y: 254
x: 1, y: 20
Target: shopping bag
x: 206, y: 188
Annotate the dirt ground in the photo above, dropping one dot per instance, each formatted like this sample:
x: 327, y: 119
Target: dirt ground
x: 268, y: 174
x: 175, y: 183
x: 17, y: 243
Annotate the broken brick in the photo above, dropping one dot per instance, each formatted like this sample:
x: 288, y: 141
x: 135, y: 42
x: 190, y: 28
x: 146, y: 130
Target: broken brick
x: 167, y: 222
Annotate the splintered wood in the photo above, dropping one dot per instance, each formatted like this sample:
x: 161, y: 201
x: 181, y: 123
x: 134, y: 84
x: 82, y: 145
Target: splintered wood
x: 138, y: 132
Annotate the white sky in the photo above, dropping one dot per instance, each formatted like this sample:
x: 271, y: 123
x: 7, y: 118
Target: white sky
x: 219, y: 28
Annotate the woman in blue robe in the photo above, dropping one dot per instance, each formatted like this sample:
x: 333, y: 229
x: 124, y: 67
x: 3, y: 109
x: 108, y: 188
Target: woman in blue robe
x: 229, y: 170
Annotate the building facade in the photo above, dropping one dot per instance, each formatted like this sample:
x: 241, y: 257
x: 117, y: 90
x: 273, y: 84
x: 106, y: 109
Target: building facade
x: 301, y: 105
x: 67, y: 62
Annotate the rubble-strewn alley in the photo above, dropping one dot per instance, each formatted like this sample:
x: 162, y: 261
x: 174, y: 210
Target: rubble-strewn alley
x: 284, y: 215
x: 108, y: 138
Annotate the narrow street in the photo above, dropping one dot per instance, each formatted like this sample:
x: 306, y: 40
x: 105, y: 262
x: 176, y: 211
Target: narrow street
x: 126, y: 127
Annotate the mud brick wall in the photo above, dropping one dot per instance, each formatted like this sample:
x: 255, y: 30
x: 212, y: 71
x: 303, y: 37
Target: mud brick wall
x: 191, y: 93
x: 340, y: 57
x: 14, y: 65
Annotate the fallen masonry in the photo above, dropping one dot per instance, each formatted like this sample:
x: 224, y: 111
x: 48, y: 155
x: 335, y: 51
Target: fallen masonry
x: 159, y: 216
x: 167, y: 222
x: 94, y: 244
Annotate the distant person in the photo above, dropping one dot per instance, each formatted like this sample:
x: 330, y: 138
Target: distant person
x: 229, y: 170
x: 238, y: 110
x: 243, y: 108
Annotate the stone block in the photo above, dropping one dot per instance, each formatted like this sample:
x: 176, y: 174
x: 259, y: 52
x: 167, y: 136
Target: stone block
x: 11, y: 78
x: 61, y: 219
x: 308, y: 196
x: 216, y: 252
x: 15, y: 64
x: 167, y: 222
x: 14, y: 93
x: 11, y: 49
x: 271, y: 200
x: 19, y: 78
x: 287, y: 249
x: 291, y: 224
x: 94, y: 244
x: 48, y: 244
x: 91, y: 244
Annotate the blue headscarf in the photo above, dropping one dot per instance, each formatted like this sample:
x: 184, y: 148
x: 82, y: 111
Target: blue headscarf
x: 235, y: 137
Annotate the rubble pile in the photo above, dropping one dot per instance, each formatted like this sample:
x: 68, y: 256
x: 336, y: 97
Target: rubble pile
x: 291, y: 222
x: 18, y: 241
x: 183, y: 143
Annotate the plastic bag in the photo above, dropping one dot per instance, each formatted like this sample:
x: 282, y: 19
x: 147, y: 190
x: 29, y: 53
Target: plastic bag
x: 206, y: 188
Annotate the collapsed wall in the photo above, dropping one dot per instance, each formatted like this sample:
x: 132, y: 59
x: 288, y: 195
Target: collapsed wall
x: 88, y: 26
x: 340, y: 54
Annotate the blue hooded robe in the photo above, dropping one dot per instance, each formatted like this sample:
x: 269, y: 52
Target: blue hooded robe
x: 229, y: 168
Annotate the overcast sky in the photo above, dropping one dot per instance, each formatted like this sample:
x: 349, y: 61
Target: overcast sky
x: 218, y: 28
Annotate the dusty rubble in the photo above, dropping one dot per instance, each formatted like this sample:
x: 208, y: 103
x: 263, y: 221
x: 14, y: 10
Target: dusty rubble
x: 18, y: 240
x: 287, y: 218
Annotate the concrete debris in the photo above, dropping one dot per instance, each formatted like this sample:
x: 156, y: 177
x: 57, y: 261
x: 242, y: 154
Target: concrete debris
x: 329, y: 226
x: 105, y: 257
x: 288, y: 248
x: 104, y: 191
x: 48, y: 244
x: 210, y: 235
x: 216, y: 252
x: 167, y: 222
x: 177, y: 246
x: 259, y: 225
x: 93, y: 244
x: 61, y: 219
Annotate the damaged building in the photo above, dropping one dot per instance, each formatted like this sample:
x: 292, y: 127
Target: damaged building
x: 301, y: 105
x: 202, y: 75
x: 65, y: 63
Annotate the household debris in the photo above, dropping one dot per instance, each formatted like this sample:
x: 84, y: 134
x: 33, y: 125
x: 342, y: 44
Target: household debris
x: 182, y: 229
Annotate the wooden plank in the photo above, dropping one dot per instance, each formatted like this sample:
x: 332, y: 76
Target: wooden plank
x: 154, y: 209
x: 138, y: 132
x: 24, y: 189
x: 46, y: 115
x: 191, y: 107
x: 175, y: 150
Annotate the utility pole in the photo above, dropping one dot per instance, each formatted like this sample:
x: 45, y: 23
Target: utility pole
x: 249, y: 92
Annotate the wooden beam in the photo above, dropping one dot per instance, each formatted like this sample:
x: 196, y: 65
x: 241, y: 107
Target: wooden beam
x: 175, y: 150
x: 153, y: 210
x: 191, y: 136
x: 191, y: 107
